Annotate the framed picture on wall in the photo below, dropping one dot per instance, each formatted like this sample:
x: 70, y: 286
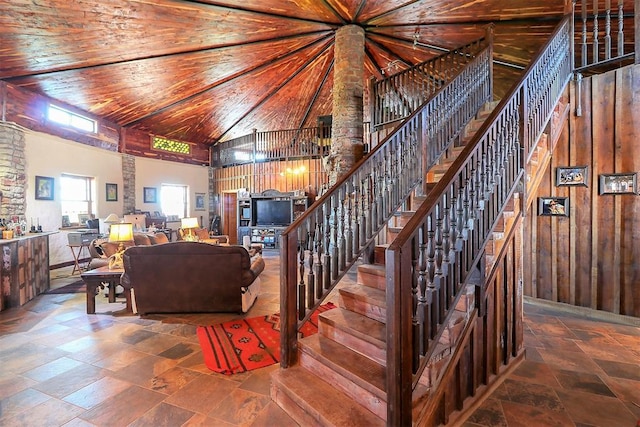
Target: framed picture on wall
x: 44, y: 188
x: 199, y: 202
x: 553, y: 206
x: 571, y: 175
x: 618, y: 183
x: 150, y: 195
x: 112, y: 192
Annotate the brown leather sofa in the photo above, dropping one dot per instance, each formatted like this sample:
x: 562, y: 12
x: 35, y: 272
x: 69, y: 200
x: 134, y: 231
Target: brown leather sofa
x: 191, y: 277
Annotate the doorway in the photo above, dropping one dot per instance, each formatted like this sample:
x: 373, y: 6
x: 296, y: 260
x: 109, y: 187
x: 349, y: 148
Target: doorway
x: 230, y: 216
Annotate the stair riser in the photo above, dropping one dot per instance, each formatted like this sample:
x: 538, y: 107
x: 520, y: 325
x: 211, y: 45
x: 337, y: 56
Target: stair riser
x: 346, y: 385
x: 292, y: 407
x: 372, y: 311
x: 372, y: 280
x: 373, y: 350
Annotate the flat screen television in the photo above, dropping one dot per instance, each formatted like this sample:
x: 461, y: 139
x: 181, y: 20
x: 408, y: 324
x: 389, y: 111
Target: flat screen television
x: 272, y: 212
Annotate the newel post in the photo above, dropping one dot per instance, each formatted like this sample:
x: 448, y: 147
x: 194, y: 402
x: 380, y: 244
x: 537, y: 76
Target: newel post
x: 288, y: 301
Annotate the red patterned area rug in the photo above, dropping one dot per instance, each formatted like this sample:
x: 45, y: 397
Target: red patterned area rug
x: 246, y: 344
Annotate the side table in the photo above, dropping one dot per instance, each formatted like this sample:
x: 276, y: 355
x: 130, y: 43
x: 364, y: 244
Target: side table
x: 77, y: 256
x: 95, y: 278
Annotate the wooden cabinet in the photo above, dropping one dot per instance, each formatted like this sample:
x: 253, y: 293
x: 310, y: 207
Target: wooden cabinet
x: 263, y: 216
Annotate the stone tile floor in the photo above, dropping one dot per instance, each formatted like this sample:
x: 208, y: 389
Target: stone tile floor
x: 62, y: 367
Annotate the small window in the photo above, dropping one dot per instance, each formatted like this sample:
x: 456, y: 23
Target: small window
x: 170, y: 145
x: 67, y: 118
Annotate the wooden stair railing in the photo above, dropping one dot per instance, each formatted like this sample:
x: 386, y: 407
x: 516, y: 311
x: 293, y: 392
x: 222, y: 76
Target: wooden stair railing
x: 320, y: 246
x: 438, y: 251
x: 437, y: 257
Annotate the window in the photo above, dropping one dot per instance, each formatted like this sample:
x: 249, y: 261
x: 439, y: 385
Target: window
x: 67, y: 118
x: 77, y: 195
x: 173, y: 199
x: 164, y: 144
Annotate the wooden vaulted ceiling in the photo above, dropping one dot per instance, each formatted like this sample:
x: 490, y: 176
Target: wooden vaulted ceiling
x: 208, y: 71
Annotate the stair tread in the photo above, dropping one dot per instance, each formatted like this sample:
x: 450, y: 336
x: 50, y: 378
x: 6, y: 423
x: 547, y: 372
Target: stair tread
x: 322, y: 400
x: 350, y: 364
x: 359, y: 325
x: 377, y: 269
x: 365, y: 293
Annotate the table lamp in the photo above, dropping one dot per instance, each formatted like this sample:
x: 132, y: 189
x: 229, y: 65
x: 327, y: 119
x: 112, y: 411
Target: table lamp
x: 189, y: 224
x: 119, y: 233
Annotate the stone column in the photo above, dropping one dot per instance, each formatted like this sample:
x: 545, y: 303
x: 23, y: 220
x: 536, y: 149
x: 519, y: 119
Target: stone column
x: 346, y: 128
x: 13, y: 178
x: 128, y: 184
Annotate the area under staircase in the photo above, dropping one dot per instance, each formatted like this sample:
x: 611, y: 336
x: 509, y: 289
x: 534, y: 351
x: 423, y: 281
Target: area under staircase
x: 432, y: 321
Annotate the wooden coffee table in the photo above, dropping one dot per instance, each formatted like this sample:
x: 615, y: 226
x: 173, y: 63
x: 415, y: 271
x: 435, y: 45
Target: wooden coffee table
x: 99, y: 277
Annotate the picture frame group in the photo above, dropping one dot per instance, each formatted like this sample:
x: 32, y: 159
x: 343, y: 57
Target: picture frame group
x: 618, y: 183
x: 553, y: 206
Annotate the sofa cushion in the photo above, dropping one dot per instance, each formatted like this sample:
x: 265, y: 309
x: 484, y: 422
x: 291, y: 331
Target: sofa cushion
x: 141, y: 239
x: 158, y: 238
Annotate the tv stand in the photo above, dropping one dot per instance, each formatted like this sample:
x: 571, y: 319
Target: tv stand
x: 249, y: 224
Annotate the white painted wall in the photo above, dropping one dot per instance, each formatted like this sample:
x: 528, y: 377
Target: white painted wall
x: 51, y: 156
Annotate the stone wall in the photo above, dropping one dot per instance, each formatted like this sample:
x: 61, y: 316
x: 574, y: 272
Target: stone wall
x: 13, y: 178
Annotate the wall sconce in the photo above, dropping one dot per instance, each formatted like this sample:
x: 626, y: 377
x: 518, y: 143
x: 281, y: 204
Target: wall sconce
x: 189, y: 224
x: 119, y: 233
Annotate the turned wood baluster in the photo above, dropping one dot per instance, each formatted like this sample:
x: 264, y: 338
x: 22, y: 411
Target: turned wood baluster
x: 334, y: 236
x: 355, y: 199
x: 422, y: 316
x: 342, y: 228
x: 311, y: 278
x: 327, y: 244
x: 365, y: 209
x: 437, y: 257
x: 301, y: 285
x: 596, y: 43
x: 417, y: 302
x: 431, y: 285
x: 620, y: 28
x: 607, y: 29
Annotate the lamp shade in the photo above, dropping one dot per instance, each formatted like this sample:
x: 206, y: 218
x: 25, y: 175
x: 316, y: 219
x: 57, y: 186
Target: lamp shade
x: 121, y: 232
x: 190, y: 222
x: 111, y: 219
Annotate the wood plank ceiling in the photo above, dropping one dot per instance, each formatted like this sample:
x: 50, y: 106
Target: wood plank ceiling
x: 208, y: 71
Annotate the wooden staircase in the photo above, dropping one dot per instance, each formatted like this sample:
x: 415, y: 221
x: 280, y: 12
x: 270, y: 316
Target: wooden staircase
x: 341, y: 375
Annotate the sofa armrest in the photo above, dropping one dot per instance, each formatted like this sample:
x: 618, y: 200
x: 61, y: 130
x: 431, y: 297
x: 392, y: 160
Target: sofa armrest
x: 248, y: 276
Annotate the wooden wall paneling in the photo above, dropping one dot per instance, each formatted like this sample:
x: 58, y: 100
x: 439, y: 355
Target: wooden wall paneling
x: 561, y: 230
x: 507, y: 266
x: 627, y: 137
x: 518, y: 311
x: 603, y: 94
x: 579, y: 143
x: 545, y: 244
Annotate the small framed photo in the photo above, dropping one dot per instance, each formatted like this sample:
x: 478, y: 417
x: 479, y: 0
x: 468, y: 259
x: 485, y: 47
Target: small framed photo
x: 618, y: 183
x: 199, y: 202
x: 571, y: 175
x: 150, y: 195
x: 44, y: 188
x: 112, y: 192
x: 553, y: 206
